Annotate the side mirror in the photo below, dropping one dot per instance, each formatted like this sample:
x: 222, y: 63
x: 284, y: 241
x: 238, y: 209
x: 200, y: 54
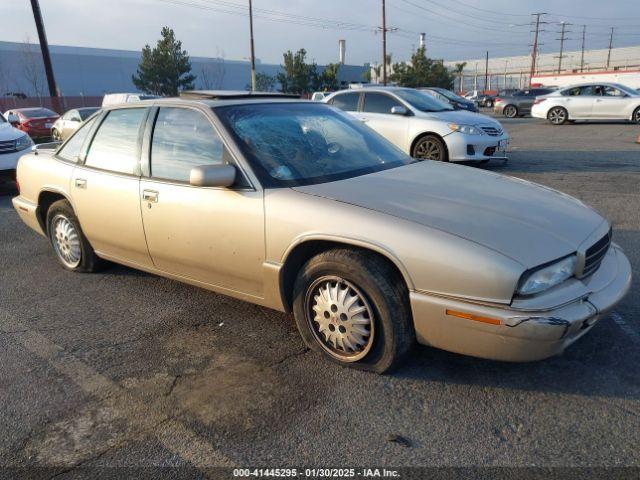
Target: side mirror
x: 212, y: 176
x: 398, y: 110
x: 13, y: 119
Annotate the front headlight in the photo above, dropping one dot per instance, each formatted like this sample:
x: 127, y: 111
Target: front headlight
x: 23, y: 142
x: 546, y: 277
x: 468, y: 129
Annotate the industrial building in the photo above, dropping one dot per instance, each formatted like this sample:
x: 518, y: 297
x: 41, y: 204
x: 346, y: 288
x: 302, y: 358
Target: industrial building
x: 82, y: 71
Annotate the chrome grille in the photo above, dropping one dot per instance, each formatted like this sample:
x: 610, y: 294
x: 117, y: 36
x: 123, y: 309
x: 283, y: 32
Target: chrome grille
x: 493, y: 131
x: 595, y: 253
x: 7, y: 146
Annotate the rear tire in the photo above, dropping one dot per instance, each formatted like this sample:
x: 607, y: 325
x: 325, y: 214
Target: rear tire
x: 353, y: 307
x: 510, y: 111
x: 636, y: 116
x: 55, y: 136
x: 558, y: 115
x: 71, y: 247
x: 430, y: 147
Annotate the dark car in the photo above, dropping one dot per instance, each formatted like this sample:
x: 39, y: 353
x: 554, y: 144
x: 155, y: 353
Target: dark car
x: 35, y: 122
x: 447, y: 96
x: 519, y: 103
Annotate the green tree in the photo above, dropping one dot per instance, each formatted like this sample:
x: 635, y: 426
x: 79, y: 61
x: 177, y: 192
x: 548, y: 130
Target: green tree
x: 165, y: 69
x: 328, y: 79
x: 459, y: 68
x: 264, y: 82
x: 297, y: 76
x: 422, y: 72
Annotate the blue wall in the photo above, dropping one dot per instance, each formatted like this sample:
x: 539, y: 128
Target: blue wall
x: 96, y: 71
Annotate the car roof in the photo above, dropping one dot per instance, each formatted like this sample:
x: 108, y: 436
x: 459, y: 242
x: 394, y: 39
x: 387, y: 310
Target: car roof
x: 380, y: 88
x: 591, y: 84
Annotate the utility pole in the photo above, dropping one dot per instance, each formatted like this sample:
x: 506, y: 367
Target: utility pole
x: 584, y: 31
x: 46, y: 58
x: 610, y: 45
x: 384, y: 44
x: 562, y: 39
x: 486, y: 71
x: 534, y: 51
x: 253, y: 52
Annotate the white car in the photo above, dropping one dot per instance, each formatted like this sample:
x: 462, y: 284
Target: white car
x: 424, y: 127
x: 13, y: 144
x: 589, y: 101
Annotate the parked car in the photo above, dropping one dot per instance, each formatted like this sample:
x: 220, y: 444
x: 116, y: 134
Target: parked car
x: 117, y: 98
x: 424, y: 127
x: 319, y: 96
x: 447, y: 96
x: 520, y: 103
x: 13, y: 143
x: 480, y: 99
x: 296, y: 206
x: 70, y: 121
x: 36, y: 122
x: 589, y: 101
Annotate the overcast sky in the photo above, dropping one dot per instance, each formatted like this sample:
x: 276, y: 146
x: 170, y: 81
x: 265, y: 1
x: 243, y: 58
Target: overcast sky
x: 455, y: 29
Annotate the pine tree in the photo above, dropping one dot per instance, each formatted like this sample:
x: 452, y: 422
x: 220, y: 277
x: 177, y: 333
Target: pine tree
x: 165, y: 69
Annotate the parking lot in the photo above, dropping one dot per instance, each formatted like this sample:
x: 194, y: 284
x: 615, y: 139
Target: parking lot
x: 123, y: 368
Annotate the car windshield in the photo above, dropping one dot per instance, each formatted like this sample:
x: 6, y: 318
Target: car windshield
x: 449, y: 94
x: 293, y: 144
x: 422, y: 101
x: 86, y: 112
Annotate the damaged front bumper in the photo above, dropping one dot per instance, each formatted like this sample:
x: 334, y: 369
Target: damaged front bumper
x: 524, y: 331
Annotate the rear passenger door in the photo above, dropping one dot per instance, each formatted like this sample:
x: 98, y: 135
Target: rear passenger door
x: 105, y: 188
x: 211, y: 235
x: 376, y: 113
x: 580, y: 101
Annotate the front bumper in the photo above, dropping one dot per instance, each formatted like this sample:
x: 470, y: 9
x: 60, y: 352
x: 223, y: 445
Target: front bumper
x: 464, y: 147
x: 520, y: 335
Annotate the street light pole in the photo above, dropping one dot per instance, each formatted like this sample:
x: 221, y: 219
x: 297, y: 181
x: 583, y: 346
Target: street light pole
x: 253, y: 53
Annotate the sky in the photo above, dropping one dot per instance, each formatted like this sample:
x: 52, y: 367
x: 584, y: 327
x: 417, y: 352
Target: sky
x: 455, y: 29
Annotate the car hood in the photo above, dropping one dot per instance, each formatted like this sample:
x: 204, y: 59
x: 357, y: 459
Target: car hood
x: 8, y: 132
x: 462, y: 117
x: 527, y: 222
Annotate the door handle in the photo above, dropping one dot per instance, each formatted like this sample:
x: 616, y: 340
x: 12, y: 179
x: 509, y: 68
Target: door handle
x: 81, y: 183
x: 150, y: 196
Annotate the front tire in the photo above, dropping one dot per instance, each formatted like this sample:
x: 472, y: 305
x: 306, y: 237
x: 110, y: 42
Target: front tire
x: 353, y: 307
x: 558, y: 115
x: 71, y: 247
x: 510, y: 111
x: 430, y: 147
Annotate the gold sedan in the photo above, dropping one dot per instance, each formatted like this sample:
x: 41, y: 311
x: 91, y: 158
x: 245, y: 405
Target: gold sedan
x: 296, y: 206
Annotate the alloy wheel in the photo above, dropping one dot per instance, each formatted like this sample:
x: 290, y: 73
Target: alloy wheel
x: 429, y: 149
x: 66, y: 241
x: 340, y: 318
x: 557, y: 115
x: 510, y: 111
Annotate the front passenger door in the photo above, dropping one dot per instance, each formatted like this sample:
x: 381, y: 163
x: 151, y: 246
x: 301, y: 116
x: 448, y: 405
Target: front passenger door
x: 376, y: 113
x: 211, y: 235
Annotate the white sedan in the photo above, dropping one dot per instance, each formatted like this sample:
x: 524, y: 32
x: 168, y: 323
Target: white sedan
x: 589, y: 101
x: 424, y: 127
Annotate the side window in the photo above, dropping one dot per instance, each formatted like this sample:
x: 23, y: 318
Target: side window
x: 379, y: 103
x: 346, y: 101
x: 73, y: 147
x: 183, y: 139
x: 612, y: 92
x: 115, y: 144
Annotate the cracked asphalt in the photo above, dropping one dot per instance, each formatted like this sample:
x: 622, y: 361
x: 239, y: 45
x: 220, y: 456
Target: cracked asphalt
x: 125, y: 369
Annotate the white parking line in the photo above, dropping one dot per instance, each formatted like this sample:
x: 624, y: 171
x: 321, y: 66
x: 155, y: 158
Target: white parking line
x: 625, y: 327
x: 153, y: 418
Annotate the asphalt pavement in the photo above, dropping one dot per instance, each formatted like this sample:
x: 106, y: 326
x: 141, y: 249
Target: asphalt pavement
x: 126, y: 369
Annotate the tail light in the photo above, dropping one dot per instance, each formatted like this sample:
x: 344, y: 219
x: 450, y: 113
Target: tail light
x: 498, y: 99
x: 28, y: 124
x: 17, y: 185
x: 538, y: 100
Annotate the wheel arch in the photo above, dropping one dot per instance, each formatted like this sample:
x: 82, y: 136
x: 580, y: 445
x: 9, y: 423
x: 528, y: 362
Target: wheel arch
x: 300, y: 252
x: 46, y: 198
x: 424, y: 134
